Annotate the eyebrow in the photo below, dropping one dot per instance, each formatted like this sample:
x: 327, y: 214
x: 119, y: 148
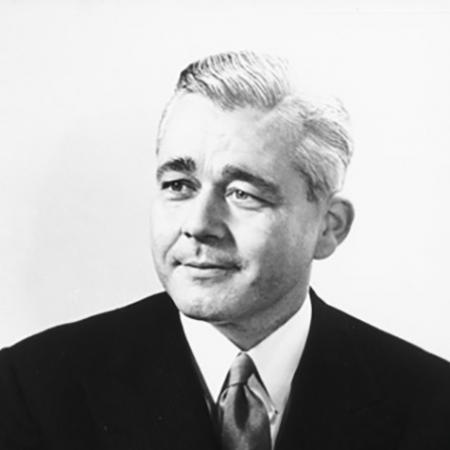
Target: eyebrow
x: 186, y: 165
x: 231, y: 173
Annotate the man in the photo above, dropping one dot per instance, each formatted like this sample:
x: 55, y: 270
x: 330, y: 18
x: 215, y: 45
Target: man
x: 239, y: 353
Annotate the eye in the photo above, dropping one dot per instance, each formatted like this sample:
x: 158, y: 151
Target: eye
x: 176, y: 186
x: 177, y: 189
x: 244, y: 199
x: 241, y: 195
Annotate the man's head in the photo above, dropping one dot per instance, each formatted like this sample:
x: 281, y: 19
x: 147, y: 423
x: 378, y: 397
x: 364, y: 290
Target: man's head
x: 247, y: 175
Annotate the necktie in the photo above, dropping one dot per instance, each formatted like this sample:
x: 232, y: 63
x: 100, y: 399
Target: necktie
x: 242, y: 418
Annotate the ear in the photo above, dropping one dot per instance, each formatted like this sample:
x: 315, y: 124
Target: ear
x: 337, y: 221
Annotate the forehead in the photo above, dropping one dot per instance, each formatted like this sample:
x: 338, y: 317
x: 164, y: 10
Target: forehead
x: 213, y: 139
x: 195, y: 124
x: 193, y: 117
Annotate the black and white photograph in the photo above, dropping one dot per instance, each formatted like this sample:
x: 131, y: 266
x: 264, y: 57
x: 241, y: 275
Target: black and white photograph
x: 224, y: 225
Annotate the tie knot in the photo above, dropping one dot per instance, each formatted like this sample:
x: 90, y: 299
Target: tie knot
x: 241, y: 370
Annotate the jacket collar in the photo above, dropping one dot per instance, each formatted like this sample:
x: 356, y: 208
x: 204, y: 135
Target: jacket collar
x: 331, y: 387
x: 148, y: 395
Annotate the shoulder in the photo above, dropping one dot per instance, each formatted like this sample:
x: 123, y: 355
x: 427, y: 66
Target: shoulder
x: 391, y: 361
x: 382, y: 389
x: 47, y: 379
x: 95, y: 337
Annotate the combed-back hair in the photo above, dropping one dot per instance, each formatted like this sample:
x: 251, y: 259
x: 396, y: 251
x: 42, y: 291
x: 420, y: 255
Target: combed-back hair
x: 315, y: 132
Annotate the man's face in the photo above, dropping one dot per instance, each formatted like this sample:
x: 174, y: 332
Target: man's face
x: 233, y: 232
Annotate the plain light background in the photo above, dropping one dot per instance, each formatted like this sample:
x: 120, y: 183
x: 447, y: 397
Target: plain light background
x: 82, y: 85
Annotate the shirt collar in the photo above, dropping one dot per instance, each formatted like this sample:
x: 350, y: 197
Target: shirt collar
x: 276, y: 357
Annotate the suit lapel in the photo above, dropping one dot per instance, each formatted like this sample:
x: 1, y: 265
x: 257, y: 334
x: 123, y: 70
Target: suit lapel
x: 329, y: 390
x: 182, y: 400
x: 144, y: 392
x: 148, y: 395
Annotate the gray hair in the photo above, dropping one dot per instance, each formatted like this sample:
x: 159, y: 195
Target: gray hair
x: 315, y: 132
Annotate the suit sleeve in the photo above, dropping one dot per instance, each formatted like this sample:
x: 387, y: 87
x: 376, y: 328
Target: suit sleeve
x: 17, y: 430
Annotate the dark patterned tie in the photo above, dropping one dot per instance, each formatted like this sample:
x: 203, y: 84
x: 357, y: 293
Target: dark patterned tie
x: 242, y: 417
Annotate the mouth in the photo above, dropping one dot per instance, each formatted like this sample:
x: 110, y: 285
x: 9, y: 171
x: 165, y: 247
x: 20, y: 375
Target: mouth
x: 207, y: 269
x: 208, y: 265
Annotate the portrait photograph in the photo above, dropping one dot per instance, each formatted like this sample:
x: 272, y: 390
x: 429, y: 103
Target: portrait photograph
x: 224, y: 225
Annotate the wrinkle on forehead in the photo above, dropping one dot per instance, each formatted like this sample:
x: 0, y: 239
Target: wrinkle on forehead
x: 197, y: 122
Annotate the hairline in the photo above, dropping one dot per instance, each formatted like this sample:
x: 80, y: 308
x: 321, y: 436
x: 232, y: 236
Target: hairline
x: 314, y: 132
x: 314, y: 194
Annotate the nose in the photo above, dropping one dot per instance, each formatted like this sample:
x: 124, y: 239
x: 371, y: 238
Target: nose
x: 205, y: 218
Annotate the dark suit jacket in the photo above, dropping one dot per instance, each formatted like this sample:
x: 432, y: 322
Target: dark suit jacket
x: 126, y: 380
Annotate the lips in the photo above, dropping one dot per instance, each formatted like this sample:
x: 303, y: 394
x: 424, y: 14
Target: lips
x: 206, y: 271
x: 209, y: 265
x: 206, y: 264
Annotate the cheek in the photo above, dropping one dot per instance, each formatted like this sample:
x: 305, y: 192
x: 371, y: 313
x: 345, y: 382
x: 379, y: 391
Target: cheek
x: 261, y: 240
x: 275, y: 243
x: 163, y: 230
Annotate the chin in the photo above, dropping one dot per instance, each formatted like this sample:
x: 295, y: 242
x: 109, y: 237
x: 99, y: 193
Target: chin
x: 201, y: 304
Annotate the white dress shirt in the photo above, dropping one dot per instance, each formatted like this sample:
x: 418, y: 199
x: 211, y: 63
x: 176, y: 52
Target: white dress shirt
x: 276, y: 358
